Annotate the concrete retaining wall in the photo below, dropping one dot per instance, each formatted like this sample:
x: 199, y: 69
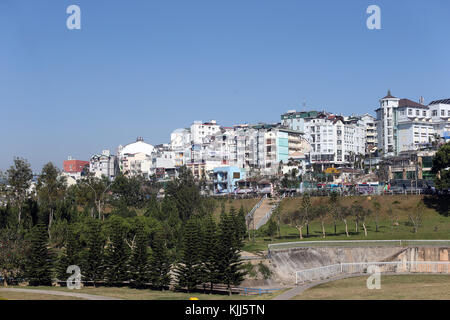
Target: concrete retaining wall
x: 285, y: 262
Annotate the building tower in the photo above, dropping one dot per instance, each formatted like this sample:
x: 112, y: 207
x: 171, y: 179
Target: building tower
x: 386, y: 124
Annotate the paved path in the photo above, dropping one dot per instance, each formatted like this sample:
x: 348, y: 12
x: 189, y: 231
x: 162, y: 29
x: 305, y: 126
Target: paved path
x: 301, y: 288
x: 266, y: 206
x: 60, y: 293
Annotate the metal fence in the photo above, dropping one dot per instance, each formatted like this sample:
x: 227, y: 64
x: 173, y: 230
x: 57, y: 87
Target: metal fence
x: 325, y: 272
x: 358, y: 243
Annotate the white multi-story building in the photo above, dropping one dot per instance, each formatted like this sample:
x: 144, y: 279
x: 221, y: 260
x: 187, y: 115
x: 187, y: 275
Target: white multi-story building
x: 386, y: 130
x: 335, y: 139
x: 136, y: 158
x: 104, y: 164
x: 200, y: 130
x: 297, y: 120
x: 371, y: 130
x: 406, y: 125
x: 440, y: 116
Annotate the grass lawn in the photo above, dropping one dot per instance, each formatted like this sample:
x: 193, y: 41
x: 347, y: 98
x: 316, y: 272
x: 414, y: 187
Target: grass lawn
x: 135, y: 294
x: 435, y: 225
x: 396, y: 287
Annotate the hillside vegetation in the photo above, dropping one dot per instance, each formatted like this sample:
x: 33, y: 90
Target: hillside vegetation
x: 393, y: 216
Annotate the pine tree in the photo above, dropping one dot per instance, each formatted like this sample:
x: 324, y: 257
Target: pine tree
x: 117, y: 256
x: 210, y: 251
x: 70, y: 255
x: 160, y: 263
x: 93, y: 256
x: 241, y: 223
x: 188, y: 269
x: 229, y: 260
x: 139, y: 263
x: 154, y: 209
x: 40, y: 258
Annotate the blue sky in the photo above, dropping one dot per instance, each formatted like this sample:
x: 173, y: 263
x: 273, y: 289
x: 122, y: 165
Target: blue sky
x: 145, y: 68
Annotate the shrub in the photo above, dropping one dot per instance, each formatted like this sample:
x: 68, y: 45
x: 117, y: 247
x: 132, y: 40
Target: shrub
x: 264, y: 270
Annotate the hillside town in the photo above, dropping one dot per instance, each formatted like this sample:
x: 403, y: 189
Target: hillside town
x: 306, y: 149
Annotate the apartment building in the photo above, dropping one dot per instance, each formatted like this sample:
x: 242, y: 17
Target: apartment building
x: 104, y: 164
x: 136, y: 158
x: 74, y: 168
x: 370, y: 124
x: 200, y: 130
x: 335, y: 140
x: 406, y: 125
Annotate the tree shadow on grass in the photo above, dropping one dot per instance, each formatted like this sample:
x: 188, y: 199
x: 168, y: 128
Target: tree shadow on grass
x: 440, y: 203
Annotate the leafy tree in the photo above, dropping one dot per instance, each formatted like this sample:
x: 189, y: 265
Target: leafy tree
x: 19, y: 178
x: 376, y: 209
x: 357, y: 211
x: 441, y: 167
x: 51, y: 187
x: 123, y: 211
x: 305, y: 209
x: 271, y: 228
x: 365, y: 214
x: 95, y: 191
x: 128, y: 191
x: 12, y: 254
x: 154, y: 210
x: 160, y: 263
x: 321, y: 212
x: 6, y: 216
x: 299, y: 219
x: 334, y: 207
x: 185, y: 193
x: 393, y: 217
x: 344, y: 214
x: 416, y: 216
x: 40, y: 262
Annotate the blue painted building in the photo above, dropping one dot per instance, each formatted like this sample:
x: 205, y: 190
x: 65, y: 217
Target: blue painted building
x: 226, y: 178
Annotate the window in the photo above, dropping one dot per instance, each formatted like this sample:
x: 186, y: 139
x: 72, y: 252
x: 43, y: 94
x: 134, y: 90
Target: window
x: 424, y: 113
x: 417, y: 113
x: 442, y: 113
x: 410, y: 112
x: 402, y: 113
x: 434, y: 113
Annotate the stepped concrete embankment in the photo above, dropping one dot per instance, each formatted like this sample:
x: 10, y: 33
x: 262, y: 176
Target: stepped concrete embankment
x: 285, y: 262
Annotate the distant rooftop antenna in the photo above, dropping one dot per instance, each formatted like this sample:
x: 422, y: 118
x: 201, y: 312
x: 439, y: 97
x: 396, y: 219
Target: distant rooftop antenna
x: 304, y: 104
x: 421, y: 100
x: 139, y: 139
